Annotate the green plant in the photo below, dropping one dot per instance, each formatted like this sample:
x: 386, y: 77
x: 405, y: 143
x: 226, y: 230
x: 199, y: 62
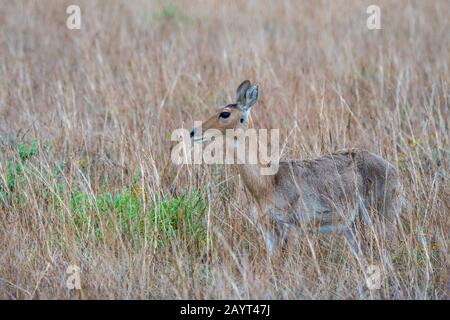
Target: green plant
x: 15, y: 175
x: 169, y: 13
x: 26, y: 152
x: 181, y: 217
x: 159, y: 221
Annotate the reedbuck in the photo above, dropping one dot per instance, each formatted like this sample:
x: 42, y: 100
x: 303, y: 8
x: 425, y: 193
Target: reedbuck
x: 329, y: 192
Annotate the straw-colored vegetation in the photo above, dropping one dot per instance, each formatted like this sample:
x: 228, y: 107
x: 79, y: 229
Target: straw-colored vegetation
x: 85, y: 123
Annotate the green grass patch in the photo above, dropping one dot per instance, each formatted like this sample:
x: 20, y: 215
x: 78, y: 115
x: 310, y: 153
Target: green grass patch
x: 130, y: 213
x: 168, y: 13
x: 158, y: 222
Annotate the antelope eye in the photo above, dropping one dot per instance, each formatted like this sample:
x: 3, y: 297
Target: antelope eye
x: 224, y: 115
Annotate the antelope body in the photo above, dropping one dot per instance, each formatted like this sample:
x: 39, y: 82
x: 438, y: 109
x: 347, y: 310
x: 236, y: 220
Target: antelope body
x: 329, y: 192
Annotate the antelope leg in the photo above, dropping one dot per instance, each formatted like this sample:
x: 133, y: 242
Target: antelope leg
x: 338, y: 228
x: 351, y: 240
x: 364, y: 213
x: 270, y: 242
x: 347, y: 230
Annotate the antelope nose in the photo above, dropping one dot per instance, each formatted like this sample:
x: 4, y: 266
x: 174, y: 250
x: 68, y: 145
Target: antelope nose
x: 192, y: 133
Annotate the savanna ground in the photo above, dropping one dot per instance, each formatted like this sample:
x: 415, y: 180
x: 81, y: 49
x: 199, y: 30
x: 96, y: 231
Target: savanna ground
x: 85, y: 123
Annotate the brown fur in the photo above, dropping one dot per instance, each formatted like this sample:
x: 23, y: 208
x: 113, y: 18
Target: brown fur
x: 325, y: 191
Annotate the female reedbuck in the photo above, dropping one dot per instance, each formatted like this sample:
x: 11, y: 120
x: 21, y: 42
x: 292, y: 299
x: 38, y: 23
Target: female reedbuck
x: 330, y: 191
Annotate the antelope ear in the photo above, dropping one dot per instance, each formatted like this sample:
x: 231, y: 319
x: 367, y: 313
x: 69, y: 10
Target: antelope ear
x: 251, y: 96
x: 241, y: 91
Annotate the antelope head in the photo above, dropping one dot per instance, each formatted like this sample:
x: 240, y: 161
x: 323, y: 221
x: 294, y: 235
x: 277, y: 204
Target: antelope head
x: 233, y: 116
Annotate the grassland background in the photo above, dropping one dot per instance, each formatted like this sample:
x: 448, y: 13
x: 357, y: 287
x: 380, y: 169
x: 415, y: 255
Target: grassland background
x: 85, y: 123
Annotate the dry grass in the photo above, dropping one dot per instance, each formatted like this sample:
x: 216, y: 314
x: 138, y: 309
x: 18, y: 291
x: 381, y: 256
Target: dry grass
x: 100, y: 104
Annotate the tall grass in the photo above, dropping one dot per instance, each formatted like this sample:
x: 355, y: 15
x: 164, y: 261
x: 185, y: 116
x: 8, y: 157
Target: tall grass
x: 85, y: 123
